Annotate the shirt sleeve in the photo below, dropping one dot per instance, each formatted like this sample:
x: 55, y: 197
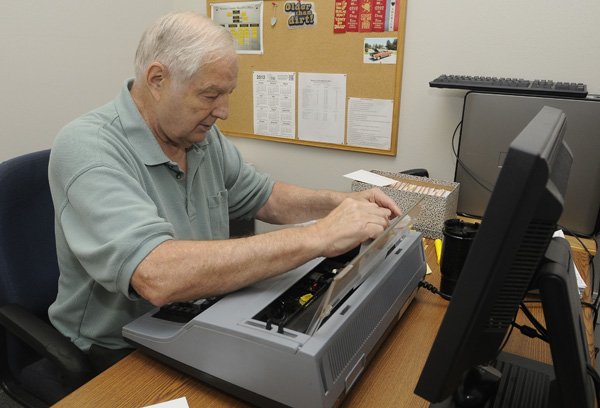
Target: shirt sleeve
x: 248, y: 189
x: 111, y: 224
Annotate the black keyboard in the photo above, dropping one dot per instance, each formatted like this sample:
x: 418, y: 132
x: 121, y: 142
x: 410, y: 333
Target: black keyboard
x: 511, y: 85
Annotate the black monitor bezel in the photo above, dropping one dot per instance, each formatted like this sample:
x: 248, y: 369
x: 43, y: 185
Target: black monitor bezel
x: 515, y: 232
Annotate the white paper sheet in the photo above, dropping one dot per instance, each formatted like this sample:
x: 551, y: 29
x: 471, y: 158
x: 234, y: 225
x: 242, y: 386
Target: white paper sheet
x: 176, y: 403
x: 371, y: 178
x: 370, y: 122
x: 322, y: 107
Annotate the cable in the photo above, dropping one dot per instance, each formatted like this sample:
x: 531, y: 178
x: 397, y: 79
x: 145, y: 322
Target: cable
x: 577, y: 237
x: 588, y: 304
x: 529, y: 331
x: 543, y: 333
x: 463, y: 165
x: 433, y: 289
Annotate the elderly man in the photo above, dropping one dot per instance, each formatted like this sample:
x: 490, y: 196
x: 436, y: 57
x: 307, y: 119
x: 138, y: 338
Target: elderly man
x: 144, y: 188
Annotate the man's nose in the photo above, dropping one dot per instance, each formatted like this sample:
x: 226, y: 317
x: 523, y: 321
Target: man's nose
x: 221, y: 109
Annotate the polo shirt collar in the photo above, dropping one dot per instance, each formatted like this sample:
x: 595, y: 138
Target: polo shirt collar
x: 139, y: 134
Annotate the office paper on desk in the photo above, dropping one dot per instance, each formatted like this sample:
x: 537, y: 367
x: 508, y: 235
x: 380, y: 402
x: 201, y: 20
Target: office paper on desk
x: 176, y: 403
x: 370, y: 178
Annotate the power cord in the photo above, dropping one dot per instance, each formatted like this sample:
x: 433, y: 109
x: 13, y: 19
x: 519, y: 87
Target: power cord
x: 596, y: 380
x: 539, y: 328
x: 541, y: 333
x: 433, y: 289
x: 529, y: 331
x: 538, y: 331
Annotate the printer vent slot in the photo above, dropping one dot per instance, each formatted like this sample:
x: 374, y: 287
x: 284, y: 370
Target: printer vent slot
x: 353, y: 336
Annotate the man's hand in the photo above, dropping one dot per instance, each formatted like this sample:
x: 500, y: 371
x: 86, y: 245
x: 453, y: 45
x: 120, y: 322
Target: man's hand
x: 181, y: 270
x: 375, y: 195
x: 355, y: 220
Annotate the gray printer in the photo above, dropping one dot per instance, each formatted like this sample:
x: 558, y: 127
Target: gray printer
x: 300, y: 339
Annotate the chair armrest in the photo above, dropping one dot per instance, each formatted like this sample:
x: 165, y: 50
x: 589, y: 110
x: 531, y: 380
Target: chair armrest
x: 47, y: 341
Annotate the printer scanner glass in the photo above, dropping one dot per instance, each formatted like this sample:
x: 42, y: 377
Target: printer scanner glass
x: 358, y: 269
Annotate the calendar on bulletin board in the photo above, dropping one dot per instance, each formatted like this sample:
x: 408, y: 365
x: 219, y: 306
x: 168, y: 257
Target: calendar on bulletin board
x: 324, y: 73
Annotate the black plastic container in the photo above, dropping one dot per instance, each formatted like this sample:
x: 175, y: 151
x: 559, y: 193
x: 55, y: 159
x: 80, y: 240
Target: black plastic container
x: 458, y: 236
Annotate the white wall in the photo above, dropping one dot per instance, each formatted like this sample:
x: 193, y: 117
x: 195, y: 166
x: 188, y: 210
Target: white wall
x: 62, y: 58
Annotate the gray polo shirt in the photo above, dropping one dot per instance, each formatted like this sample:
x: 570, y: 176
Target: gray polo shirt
x: 117, y: 196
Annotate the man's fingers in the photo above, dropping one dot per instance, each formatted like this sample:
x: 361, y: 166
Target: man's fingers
x: 373, y: 230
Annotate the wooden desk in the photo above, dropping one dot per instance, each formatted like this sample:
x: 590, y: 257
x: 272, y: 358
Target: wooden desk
x: 389, y: 381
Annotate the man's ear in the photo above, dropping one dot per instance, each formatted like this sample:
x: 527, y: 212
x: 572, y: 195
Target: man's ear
x: 156, y: 78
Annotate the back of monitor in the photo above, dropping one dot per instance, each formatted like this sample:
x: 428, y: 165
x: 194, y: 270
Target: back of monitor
x: 491, y: 121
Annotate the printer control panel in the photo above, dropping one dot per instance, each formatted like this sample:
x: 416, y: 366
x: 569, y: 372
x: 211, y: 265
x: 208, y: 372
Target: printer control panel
x: 294, y: 308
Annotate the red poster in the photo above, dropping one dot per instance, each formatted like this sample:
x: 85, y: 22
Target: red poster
x: 352, y: 16
x: 396, y: 14
x: 339, y: 16
x: 365, y: 16
x: 378, y: 18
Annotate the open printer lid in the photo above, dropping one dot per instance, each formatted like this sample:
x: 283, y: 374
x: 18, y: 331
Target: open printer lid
x: 312, y: 348
x: 359, y: 268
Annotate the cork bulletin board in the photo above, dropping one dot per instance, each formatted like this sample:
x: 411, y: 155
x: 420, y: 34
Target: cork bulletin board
x: 317, y: 49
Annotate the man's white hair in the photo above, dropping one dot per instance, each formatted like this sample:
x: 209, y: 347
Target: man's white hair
x: 183, y: 42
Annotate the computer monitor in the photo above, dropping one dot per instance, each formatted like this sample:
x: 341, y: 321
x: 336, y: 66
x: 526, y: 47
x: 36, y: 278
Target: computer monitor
x: 512, y: 252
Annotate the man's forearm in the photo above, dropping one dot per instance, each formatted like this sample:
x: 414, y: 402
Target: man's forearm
x: 290, y: 204
x: 187, y: 270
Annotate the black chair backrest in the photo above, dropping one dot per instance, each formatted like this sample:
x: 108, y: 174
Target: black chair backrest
x: 28, y: 265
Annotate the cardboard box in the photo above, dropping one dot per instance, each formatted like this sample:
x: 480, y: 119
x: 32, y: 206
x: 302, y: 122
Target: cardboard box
x: 440, y: 199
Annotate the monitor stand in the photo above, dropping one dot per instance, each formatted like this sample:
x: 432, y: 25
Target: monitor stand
x: 514, y: 381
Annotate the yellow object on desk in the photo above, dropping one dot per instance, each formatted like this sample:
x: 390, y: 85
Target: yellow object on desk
x: 438, y: 249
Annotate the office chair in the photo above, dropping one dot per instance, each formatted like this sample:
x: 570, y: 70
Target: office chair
x: 38, y: 365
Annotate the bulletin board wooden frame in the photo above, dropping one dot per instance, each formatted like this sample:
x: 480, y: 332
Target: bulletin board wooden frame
x: 316, y: 50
